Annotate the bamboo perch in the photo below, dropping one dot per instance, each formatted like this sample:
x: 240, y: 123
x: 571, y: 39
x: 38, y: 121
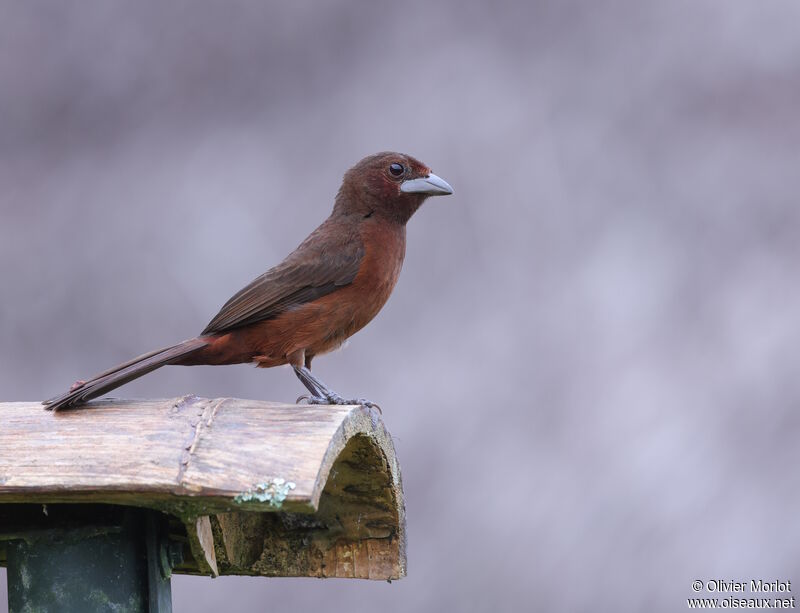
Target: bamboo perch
x: 250, y: 487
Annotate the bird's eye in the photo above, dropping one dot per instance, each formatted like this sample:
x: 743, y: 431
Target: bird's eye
x: 396, y: 170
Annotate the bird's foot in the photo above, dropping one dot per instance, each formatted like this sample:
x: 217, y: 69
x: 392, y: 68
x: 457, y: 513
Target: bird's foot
x: 332, y: 398
x: 76, y: 385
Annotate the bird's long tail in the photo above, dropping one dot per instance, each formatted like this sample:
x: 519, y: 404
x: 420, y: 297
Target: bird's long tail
x: 119, y: 375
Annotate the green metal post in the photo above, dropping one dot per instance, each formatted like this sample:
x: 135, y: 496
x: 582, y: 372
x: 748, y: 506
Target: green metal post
x: 122, y: 566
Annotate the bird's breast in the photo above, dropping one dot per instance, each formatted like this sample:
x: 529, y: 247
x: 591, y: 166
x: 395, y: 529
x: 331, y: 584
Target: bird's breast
x: 384, y: 251
x: 324, y: 324
x: 352, y: 307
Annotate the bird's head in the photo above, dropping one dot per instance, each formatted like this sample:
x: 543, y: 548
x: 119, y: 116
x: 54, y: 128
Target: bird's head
x: 390, y: 185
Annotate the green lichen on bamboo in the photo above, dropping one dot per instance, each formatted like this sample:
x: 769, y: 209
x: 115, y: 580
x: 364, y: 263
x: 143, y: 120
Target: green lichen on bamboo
x: 273, y: 492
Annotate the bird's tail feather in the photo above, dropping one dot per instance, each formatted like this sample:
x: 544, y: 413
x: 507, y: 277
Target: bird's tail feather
x: 121, y: 374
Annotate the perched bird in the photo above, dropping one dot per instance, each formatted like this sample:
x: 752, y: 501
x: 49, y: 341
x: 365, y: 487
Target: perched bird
x: 326, y: 290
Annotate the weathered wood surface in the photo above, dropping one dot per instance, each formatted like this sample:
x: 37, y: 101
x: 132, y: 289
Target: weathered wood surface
x: 256, y: 487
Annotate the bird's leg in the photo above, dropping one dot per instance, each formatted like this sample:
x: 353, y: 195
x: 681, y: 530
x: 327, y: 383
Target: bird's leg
x: 311, y: 383
x: 322, y: 394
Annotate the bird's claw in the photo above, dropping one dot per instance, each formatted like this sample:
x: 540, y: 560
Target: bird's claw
x: 366, y: 403
x: 335, y: 399
x: 309, y: 399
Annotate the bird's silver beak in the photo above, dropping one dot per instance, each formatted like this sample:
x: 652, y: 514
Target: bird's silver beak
x: 430, y: 185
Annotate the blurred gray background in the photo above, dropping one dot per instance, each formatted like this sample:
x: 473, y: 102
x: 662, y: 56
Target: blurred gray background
x: 590, y: 364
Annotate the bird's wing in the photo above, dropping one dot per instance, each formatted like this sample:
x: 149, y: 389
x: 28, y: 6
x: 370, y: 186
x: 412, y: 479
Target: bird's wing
x: 324, y: 262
